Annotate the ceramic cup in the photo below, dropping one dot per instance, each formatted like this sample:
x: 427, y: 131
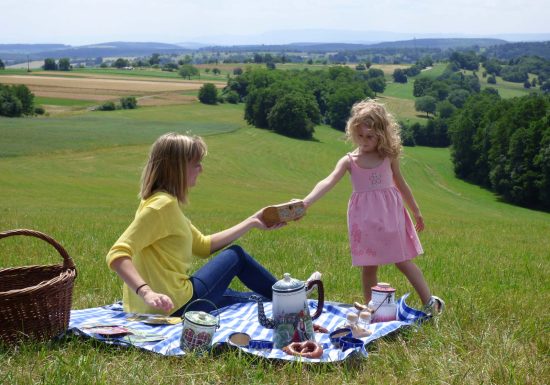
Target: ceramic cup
x: 238, y: 339
x: 337, y: 335
x: 260, y: 344
x: 350, y: 343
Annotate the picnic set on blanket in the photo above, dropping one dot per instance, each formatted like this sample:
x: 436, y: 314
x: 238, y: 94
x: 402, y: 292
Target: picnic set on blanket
x: 36, y: 304
x: 170, y: 310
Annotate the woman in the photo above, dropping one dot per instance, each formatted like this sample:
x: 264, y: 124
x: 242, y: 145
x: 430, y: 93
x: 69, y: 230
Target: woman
x: 153, y: 256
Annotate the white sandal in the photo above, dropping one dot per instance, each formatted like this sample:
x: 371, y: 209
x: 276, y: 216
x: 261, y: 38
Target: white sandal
x: 435, y: 306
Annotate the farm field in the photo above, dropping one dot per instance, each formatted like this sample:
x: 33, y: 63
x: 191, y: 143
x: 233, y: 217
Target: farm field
x: 76, y: 177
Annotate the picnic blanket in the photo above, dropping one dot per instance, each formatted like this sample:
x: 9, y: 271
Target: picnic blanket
x: 241, y: 317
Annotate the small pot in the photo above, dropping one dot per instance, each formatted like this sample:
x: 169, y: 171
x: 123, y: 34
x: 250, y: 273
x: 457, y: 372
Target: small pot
x: 198, y: 329
x: 383, y: 303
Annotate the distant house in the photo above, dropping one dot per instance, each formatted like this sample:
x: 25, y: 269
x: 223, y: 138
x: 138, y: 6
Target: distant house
x: 128, y: 68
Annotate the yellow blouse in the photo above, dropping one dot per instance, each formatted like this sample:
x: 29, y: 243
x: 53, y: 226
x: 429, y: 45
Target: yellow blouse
x: 161, y: 242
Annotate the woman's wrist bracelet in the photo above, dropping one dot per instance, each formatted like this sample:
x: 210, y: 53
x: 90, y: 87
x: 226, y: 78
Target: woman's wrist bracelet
x: 139, y: 287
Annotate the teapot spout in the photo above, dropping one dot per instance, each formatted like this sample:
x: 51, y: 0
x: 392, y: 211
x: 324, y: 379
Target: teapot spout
x: 264, y: 321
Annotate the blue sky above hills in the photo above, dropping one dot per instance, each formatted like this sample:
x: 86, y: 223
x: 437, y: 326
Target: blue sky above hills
x: 76, y: 22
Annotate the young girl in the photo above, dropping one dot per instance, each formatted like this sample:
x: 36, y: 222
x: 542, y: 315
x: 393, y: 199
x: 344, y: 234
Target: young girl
x: 154, y: 255
x: 380, y: 229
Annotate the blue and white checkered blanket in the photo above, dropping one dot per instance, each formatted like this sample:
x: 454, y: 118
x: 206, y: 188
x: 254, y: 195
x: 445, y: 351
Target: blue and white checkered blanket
x: 239, y: 318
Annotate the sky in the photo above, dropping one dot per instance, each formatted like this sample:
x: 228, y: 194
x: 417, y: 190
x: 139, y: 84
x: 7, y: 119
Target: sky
x: 76, y: 22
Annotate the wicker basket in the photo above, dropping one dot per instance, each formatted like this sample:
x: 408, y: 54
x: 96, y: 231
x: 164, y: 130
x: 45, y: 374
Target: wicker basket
x: 35, y: 301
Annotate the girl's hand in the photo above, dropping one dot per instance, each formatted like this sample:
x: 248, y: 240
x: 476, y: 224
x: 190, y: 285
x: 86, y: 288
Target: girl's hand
x: 419, y: 222
x: 156, y: 300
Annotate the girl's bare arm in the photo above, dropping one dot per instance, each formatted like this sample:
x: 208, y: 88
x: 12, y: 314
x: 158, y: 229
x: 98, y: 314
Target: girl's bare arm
x: 328, y: 183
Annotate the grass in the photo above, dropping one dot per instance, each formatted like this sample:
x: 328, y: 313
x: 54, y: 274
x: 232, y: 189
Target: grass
x: 39, y: 100
x: 76, y: 179
x: 93, y: 130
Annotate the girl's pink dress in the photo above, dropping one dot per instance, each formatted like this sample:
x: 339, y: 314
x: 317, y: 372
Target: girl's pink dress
x: 380, y: 229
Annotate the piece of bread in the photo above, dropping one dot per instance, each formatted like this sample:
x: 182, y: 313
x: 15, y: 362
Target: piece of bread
x: 284, y: 212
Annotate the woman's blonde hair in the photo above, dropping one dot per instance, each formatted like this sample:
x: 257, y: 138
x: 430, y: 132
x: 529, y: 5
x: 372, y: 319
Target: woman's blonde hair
x: 375, y: 115
x: 166, y: 168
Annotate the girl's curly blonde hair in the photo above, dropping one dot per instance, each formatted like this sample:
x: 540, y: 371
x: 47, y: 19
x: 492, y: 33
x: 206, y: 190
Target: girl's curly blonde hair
x: 374, y: 114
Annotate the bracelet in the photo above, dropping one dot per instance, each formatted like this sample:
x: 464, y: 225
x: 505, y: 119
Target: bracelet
x: 139, y: 287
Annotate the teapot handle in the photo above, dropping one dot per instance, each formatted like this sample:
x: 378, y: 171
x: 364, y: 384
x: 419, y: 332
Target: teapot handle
x: 320, y: 296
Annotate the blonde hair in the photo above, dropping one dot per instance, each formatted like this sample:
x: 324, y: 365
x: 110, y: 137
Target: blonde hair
x: 166, y: 168
x: 384, y: 125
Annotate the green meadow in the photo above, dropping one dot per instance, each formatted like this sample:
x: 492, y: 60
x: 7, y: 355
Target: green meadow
x: 76, y: 178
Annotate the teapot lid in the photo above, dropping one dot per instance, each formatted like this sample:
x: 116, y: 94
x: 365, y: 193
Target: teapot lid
x: 288, y: 284
x: 201, y: 318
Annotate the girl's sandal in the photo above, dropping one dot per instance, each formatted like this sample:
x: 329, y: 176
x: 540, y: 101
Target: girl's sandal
x: 435, y: 306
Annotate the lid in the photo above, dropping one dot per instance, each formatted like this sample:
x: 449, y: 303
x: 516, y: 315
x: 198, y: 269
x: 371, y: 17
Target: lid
x: 201, y: 318
x: 383, y: 287
x: 288, y: 284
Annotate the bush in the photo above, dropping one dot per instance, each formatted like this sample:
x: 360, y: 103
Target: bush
x: 107, y: 106
x: 232, y: 97
x: 208, y: 94
x: 16, y: 100
x: 39, y: 110
x: 128, y: 103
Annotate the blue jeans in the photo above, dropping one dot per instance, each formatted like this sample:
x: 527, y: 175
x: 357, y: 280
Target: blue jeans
x: 212, y: 281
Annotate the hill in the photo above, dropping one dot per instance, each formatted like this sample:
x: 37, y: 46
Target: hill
x: 84, y: 196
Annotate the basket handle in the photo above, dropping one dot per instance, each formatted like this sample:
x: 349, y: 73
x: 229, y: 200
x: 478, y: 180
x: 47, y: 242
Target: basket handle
x: 67, y: 260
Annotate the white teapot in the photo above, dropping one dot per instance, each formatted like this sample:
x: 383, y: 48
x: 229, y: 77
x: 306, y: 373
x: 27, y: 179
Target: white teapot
x: 291, y: 318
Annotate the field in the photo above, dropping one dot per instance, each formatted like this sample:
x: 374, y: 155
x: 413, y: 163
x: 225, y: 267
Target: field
x: 75, y: 176
x: 61, y: 91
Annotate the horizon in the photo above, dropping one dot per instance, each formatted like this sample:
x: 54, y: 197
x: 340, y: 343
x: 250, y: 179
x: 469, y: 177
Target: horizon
x: 246, y: 22
x: 509, y: 38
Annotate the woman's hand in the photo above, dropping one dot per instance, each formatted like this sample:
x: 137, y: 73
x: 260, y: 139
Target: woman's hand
x: 258, y: 222
x: 156, y: 300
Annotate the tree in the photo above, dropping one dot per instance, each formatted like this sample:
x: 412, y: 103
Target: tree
x: 458, y: 97
x: 170, y: 67
x: 216, y: 71
x: 445, y: 109
x: 289, y: 117
x: 399, y: 76
x: 26, y: 97
x: 377, y: 85
x: 121, y: 63
x: 425, y: 104
x: 187, y: 70
x: 339, y: 105
x: 154, y: 59
x: 208, y: 94
x: 421, y: 86
x: 491, y: 79
x: 2, y: 65
x: 50, y: 64
x: 237, y: 71
x: 64, y: 64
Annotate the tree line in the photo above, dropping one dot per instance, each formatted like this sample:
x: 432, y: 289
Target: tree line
x: 504, y: 145
x: 293, y: 102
